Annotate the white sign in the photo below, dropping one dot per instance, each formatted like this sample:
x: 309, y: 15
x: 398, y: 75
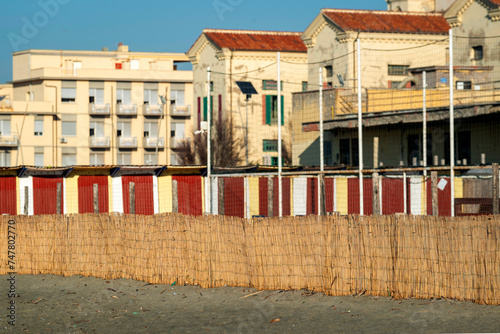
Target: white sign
x: 442, y: 184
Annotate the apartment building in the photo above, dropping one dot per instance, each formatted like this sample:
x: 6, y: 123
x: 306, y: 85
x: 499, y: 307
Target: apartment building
x: 251, y: 57
x: 95, y: 108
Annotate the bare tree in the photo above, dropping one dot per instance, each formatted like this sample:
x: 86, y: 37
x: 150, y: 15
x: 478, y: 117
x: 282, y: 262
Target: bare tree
x: 226, y: 146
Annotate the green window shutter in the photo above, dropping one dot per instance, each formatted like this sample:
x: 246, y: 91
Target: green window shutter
x: 205, y: 107
x: 282, y: 110
x: 268, y: 109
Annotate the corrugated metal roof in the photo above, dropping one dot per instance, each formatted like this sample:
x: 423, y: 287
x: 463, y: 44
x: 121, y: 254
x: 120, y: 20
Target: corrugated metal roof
x: 245, y: 40
x: 388, y: 22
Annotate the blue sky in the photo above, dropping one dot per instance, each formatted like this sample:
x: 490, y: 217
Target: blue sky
x: 148, y: 25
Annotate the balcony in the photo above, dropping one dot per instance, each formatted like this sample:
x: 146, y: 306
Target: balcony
x: 151, y: 110
x: 181, y: 110
x: 8, y: 140
x: 99, y: 109
x: 150, y: 142
x: 126, y: 110
x: 176, y: 141
x: 99, y: 142
x: 127, y: 142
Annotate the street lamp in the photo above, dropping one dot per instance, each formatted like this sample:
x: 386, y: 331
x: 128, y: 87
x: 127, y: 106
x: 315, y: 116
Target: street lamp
x: 163, y: 103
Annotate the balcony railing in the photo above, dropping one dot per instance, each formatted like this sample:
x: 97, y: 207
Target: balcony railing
x: 126, y: 109
x: 8, y: 140
x: 176, y: 141
x: 181, y: 110
x: 127, y: 142
x: 150, y: 142
x: 151, y: 110
x: 99, y: 142
x: 98, y: 109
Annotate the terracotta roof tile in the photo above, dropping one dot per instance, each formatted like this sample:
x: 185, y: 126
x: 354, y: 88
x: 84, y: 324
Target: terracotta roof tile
x: 496, y: 2
x: 388, y: 22
x: 244, y: 40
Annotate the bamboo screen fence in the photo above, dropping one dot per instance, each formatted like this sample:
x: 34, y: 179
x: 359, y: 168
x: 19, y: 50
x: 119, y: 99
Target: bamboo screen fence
x: 397, y: 256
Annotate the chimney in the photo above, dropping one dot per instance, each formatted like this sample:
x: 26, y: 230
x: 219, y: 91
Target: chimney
x: 122, y: 48
x: 105, y: 49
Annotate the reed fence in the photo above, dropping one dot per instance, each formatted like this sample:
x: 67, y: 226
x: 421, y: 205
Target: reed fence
x: 398, y: 256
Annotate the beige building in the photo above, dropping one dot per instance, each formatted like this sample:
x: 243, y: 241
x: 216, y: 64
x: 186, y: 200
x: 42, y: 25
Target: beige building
x: 95, y: 108
x: 249, y: 56
x: 397, y: 47
x: 391, y: 43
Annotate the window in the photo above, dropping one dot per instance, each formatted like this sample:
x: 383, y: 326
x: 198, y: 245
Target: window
x: 68, y: 91
x: 271, y: 85
x: 329, y: 71
x: 4, y: 158
x: 96, y: 129
x: 151, y: 97
x: 304, y: 86
x: 68, y: 125
x: 150, y: 159
x: 177, y: 130
x: 477, y: 52
x: 123, y: 93
x: 124, y: 159
x: 69, y: 156
x: 96, y: 92
x: 270, y: 110
x: 38, y: 125
x: 270, y: 145
x: 5, y: 125
x: 124, y: 129
x: 96, y: 158
x: 174, y: 160
x: 274, y: 161
x: 398, y: 69
x: 464, y: 85
x: 150, y: 129
x: 39, y: 159
x: 177, y: 98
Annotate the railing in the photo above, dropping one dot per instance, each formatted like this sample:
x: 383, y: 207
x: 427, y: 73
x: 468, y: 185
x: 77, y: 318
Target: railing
x: 126, y: 109
x: 153, y: 142
x: 99, y: 142
x: 181, y: 110
x: 152, y: 110
x: 176, y: 141
x: 127, y: 142
x: 8, y: 140
x: 98, y: 109
x: 387, y: 100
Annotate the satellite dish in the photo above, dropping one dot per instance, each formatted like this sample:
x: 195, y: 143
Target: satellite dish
x: 341, y: 79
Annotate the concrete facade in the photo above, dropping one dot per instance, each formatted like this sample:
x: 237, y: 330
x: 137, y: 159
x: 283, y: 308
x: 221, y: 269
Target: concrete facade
x: 97, y: 107
x: 228, y: 66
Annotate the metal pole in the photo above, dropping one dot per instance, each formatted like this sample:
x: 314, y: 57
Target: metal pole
x: 405, y: 194
x: 360, y: 134
x: 424, y: 78
x: 452, y: 130
x: 280, y: 193
x: 246, y: 128
x: 209, y: 147
x: 321, y: 137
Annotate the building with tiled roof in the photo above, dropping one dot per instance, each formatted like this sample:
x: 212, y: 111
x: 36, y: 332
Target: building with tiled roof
x: 243, y: 55
x: 397, y: 47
